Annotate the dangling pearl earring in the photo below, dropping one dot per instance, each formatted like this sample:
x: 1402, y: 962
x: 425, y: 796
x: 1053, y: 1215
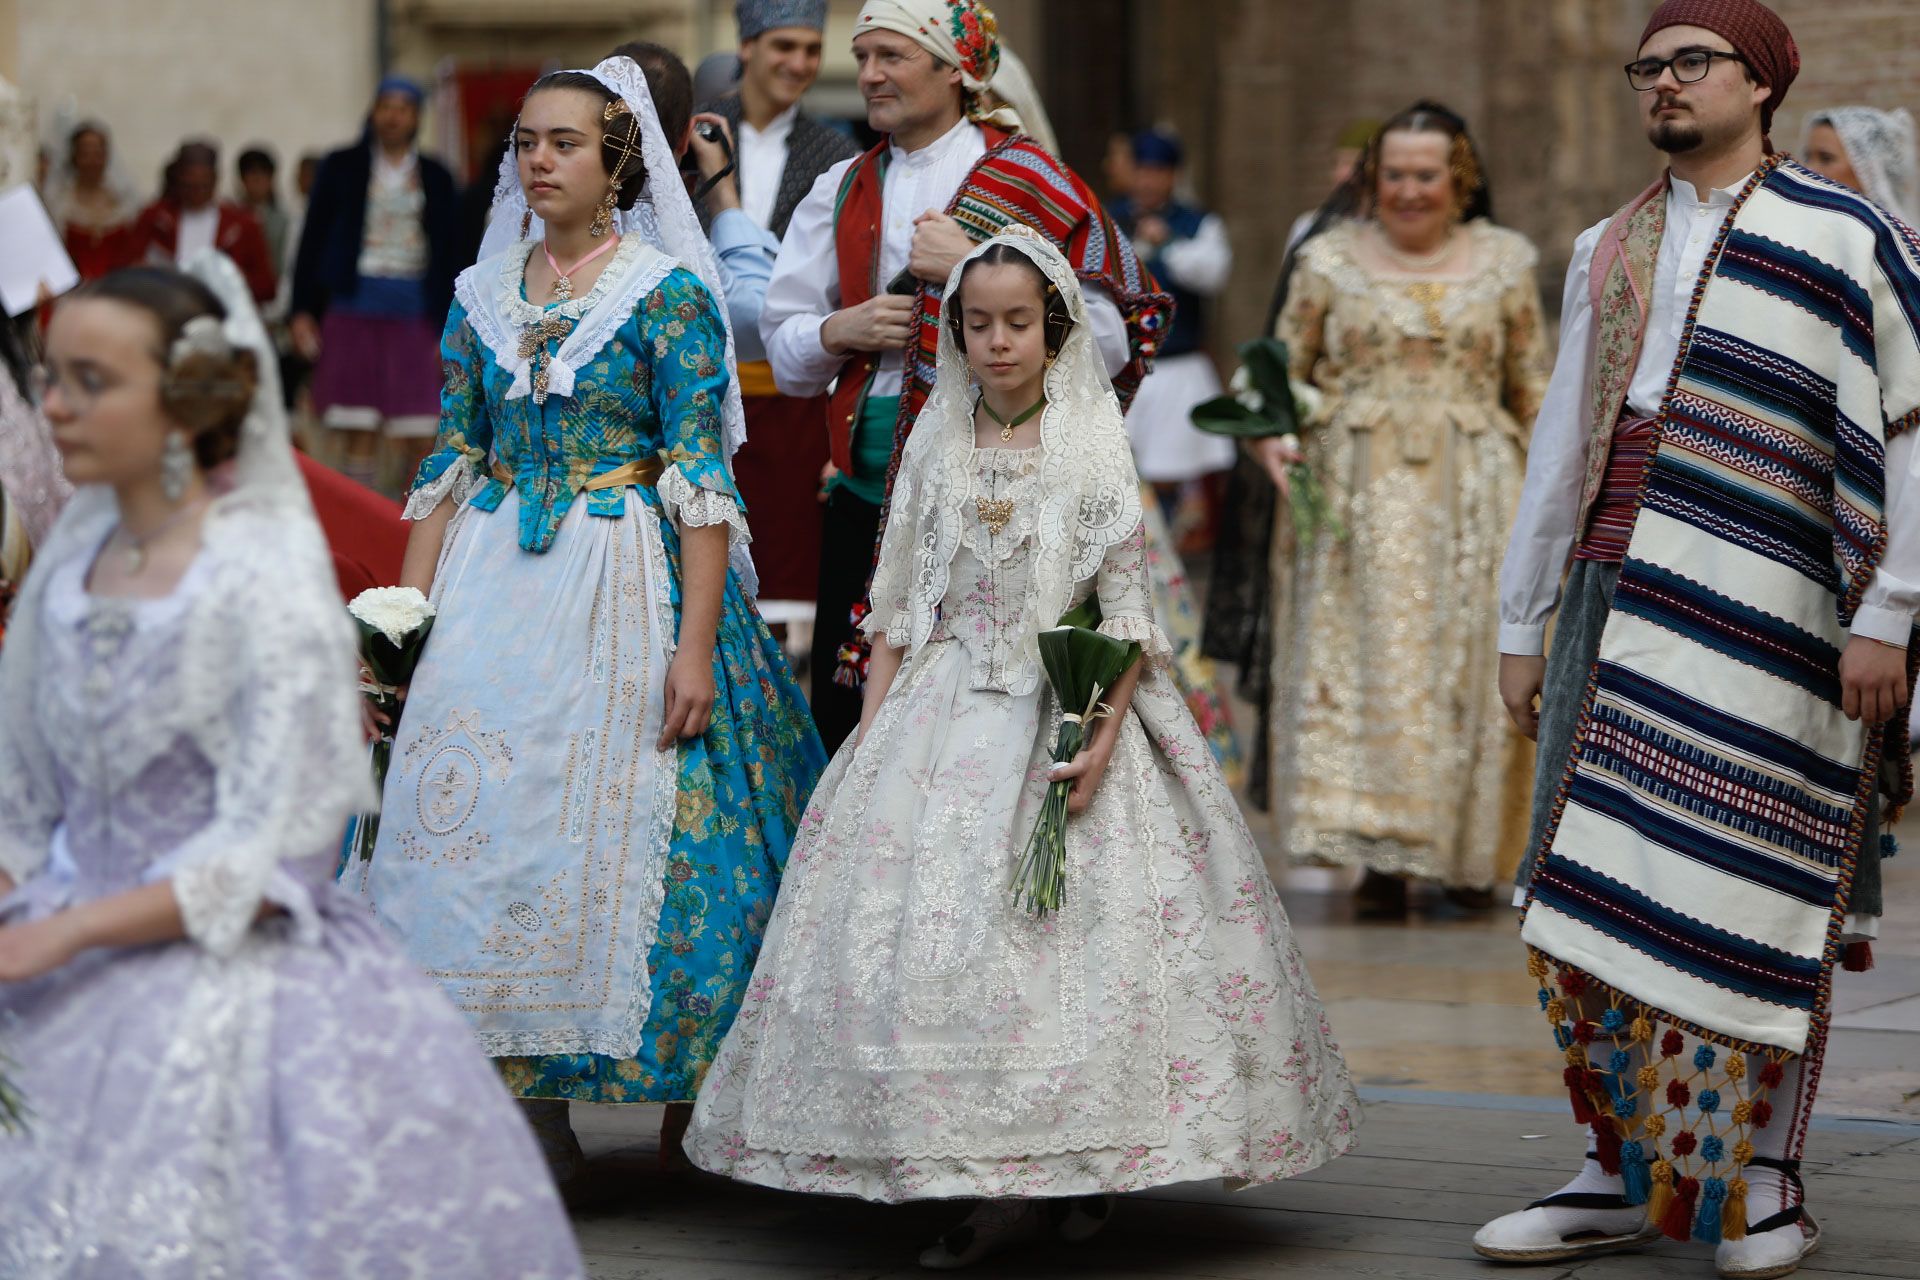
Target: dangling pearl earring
x: 176, y: 466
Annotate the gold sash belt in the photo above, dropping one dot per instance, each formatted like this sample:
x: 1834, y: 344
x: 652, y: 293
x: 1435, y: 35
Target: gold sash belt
x: 645, y: 473
x: 756, y: 379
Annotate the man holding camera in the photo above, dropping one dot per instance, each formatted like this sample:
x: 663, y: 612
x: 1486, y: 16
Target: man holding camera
x: 778, y: 153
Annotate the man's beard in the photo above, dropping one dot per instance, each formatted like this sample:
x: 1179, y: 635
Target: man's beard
x: 1674, y: 134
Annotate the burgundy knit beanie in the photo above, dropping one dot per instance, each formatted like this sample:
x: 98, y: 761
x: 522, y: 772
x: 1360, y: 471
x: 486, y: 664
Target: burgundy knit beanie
x: 1755, y: 32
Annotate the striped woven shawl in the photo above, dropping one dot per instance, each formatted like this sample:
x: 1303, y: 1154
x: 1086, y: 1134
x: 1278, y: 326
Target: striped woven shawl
x: 1699, y: 861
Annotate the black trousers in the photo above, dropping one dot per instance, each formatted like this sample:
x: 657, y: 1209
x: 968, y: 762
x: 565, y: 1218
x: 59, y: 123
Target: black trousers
x: 849, y: 530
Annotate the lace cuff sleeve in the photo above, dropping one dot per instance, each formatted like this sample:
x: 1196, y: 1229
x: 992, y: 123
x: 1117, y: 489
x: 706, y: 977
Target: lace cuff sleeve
x: 695, y: 507
x: 458, y: 481
x: 1154, y: 646
x: 221, y: 897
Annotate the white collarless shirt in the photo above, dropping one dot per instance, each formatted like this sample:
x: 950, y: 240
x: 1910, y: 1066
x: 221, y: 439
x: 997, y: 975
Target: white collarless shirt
x: 805, y: 288
x: 199, y: 229
x: 1544, y: 532
x: 763, y: 158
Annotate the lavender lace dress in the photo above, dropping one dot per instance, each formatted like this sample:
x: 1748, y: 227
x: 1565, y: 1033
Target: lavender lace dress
x: 257, y: 1107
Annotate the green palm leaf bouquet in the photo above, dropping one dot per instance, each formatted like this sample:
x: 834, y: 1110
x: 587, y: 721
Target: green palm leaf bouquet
x: 1262, y: 401
x: 1081, y: 666
x: 13, y: 1108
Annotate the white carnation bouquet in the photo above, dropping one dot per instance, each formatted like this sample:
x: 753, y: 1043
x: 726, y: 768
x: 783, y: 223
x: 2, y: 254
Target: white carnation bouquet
x: 394, y: 623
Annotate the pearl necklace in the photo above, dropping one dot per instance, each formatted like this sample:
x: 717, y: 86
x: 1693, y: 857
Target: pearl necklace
x: 1413, y: 262
x: 137, y: 550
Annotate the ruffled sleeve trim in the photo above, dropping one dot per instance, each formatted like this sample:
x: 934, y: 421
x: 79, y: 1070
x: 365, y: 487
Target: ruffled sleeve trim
x: 220, y: 899
x: 18, y: 860
x: 695, y: 507
x: 1153, y: 642
x: 458, y: 481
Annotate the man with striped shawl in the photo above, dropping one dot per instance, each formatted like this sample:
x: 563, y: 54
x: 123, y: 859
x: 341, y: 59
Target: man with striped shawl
x: 1722, y: 471
x: 854, y: 302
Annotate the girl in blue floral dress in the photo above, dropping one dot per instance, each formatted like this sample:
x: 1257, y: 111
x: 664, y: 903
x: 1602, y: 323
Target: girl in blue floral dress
x: 603, y: 756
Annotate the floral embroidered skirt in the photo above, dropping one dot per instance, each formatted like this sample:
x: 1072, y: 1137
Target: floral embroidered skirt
x: 911, y: 1034
x: 595, y: 906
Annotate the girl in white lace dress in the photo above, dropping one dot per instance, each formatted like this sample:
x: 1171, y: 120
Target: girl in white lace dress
x: 910, y: 1032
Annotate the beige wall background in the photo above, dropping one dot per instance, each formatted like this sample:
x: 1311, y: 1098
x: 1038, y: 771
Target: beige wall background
x: 294, y: 73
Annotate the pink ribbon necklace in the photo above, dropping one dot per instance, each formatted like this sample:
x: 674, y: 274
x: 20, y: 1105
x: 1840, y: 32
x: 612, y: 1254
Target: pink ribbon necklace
x: 563, y: 282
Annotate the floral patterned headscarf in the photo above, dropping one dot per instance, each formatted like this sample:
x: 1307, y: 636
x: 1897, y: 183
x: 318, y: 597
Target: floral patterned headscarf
x: 961, y: 33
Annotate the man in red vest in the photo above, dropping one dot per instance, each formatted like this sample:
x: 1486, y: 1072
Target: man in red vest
x: 854, y: 303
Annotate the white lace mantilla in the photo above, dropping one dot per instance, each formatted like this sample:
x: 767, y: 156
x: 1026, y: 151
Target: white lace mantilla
x: 265, y: 680
x: 1087, y: 498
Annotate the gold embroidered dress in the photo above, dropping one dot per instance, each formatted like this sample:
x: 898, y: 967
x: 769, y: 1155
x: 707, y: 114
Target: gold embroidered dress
x: 1391, y: 747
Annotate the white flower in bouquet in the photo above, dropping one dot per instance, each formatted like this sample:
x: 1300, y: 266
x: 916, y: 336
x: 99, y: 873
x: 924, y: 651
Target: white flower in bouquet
x: 395, y: 612
x: 1241, y: 385
x: 1307, y: 400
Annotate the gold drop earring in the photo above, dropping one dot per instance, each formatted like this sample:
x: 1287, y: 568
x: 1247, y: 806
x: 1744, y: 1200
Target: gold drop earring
x: 603, y: 218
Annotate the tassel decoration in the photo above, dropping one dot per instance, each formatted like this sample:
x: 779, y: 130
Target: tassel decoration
x: 1733, y: 1218
x: 1576, y: 1080
x: 1634, y: 1179
x: 1606, y: 1145
x: 1677, y: 1222
x: 1713, y: 1198
x: 1857, y: 957
x: 1660, y: 1196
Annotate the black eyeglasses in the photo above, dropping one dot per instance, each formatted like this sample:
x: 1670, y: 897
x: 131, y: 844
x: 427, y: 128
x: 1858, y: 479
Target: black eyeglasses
x: 1689, y: 65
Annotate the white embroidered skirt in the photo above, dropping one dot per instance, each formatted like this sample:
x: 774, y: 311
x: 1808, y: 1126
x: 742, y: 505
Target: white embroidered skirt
x: 909, y: 1033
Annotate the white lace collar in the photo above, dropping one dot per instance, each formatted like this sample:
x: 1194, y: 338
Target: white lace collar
x: 500, y: 314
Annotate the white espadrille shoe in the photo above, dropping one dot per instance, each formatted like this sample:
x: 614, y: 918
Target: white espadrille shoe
x: 1773, y: 1247
x: 1565, y: 1226
x: 993, y: 1225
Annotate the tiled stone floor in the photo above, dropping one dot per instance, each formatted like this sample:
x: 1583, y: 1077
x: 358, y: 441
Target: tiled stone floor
x: 1464, y: 1120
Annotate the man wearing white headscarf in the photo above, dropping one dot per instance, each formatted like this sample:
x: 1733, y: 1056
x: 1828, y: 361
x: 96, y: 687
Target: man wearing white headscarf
x: 854, y: 299
x: 1871, y: 151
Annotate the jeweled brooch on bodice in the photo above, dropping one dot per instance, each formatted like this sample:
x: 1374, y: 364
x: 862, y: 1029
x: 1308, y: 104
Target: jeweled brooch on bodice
x: 994, y: 513
x: 533, y: 346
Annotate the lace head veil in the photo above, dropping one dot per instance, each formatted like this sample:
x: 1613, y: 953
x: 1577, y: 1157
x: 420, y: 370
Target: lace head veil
x: 1880, y: 145
x: 663, y: 217
x: 1089, y: 498
x: 263, y: 477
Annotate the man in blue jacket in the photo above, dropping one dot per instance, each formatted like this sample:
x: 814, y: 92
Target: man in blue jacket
x: 371, y: 287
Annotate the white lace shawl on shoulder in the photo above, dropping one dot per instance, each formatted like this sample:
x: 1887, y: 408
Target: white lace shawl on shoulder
x: 1090, y: 493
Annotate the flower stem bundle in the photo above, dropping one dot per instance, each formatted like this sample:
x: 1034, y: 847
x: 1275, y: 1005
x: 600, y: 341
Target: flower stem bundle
x: 1081, y: 665
x: 1263, y: 402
